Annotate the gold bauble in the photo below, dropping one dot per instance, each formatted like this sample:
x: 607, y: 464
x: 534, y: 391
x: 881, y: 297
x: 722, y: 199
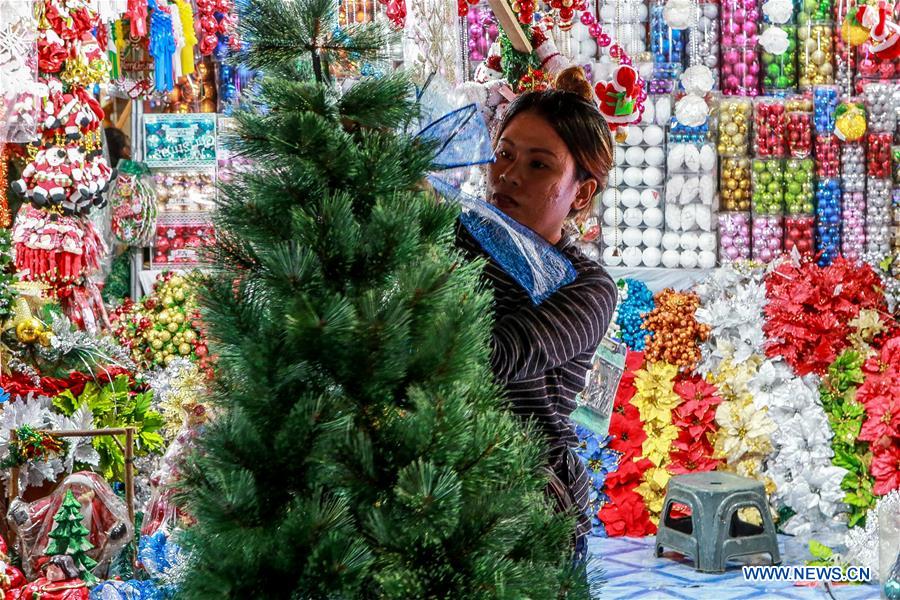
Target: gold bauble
x: 45, y: 338
x: 28, y: 330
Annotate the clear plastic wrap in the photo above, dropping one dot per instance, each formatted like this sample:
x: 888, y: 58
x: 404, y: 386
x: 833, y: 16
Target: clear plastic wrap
x: 780, y: 70
x: 104, y: 515
x: 132, y: 200
x: 19, y: 99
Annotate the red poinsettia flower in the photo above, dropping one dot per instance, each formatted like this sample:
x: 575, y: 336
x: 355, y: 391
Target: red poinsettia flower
x: 691, y: 456
x: 883, y: 419
x: 627, y: 432
x: 886, y: 468
x: 810, y: 308
x: 697, y: 413
x: 626, y: 514
x: 628, y: 475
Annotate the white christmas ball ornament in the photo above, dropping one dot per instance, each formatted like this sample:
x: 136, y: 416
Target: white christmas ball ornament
x: 612, y: 257
x: 688, y: 259
x: 617, y: 176
x: 649, y: 198
x: 673, y: 217
x: 633, y: 217
x: 630, y: 197
x: 652, y: 176
x: 651, y: 237
x: 631, y: 257
x: 655, y: 156
x: 707, y: 158
x: 632, y: 237
x: 652, y: 217
x: 704, y: 217
x: 663, y: 111
x: 676, y: 157
x: 671, y: 258
x: 706, y: 241
x: 651, y: 257
x: 690, y: 190
x: 688, y: 217
x: 613, y: 216
x: 674, y: 187
x: 671, y: 240
x: 634, y: 156
x: 633, y: 176
x: 612, y: 236
x: 619, y: 155
x: 706, y: 259
x: 610, y: 197
x: 649, y: 113
x: 633, y: 136
x: 689, y: 240
x: 707, y: 189
x: 653, y: 135
x: 691, y: 158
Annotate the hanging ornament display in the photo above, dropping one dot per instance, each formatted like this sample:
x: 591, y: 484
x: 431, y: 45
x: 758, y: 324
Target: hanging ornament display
x: 883, y: 32
x: 621, y: 99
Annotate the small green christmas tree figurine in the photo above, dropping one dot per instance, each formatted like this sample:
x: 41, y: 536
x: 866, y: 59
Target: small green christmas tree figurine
x: 70, y: 536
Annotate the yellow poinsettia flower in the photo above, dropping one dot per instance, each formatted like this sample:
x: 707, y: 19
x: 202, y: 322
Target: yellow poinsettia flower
x: 655, y: 376
x: 653, y: 411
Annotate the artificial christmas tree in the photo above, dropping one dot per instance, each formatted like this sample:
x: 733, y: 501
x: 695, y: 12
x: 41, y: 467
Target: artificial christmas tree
x: 70, y: 537
x: 361, y: 450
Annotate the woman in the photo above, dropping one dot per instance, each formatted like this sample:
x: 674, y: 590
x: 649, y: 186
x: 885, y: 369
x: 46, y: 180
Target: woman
x: 118, y: 145
x: 553, y: 154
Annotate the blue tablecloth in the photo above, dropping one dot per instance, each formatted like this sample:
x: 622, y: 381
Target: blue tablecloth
x: 632, y: 571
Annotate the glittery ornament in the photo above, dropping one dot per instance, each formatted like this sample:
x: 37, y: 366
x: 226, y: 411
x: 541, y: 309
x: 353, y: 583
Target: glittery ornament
x: 815, y: 56
x: 735, y: 184
x: 878, y: 215
x: 767, y: 235
x: 769, y: 128
x: 853, y: 230
x: 734, y: 236
x: 768, y: 186
x: 798, y: 186
x: 828, y: 220
x: 734, y: 126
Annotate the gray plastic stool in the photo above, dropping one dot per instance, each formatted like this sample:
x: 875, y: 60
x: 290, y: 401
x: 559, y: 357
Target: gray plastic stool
x: 713, y: 533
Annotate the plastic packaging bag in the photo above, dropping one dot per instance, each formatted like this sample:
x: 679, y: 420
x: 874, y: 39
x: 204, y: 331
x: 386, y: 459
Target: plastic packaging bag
x: 104, y: 515
x: 132, y: 199
x: 595, y: 403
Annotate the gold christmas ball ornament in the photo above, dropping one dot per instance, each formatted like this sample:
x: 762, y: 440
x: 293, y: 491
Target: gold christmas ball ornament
x: 29, y: 330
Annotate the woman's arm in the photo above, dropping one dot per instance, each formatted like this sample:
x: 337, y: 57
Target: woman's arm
x: 536, y: 339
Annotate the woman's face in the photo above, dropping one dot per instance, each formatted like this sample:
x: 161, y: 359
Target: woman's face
x: 534, y: 178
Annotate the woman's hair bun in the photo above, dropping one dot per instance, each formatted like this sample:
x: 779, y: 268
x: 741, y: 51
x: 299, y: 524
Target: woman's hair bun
x: 573, y: 79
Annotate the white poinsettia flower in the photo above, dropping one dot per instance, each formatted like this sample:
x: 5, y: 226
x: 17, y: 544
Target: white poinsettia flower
x: 678, y: 14
x: 778, y: 11
x: 33, y: 411
x: 81, y: 449
x: 774, y: 40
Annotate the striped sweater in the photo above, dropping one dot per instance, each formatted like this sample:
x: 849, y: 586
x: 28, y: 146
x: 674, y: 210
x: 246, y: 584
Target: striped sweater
x: 542, y: 353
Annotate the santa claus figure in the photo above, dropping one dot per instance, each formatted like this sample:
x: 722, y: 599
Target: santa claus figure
x: 619, y: 97
x: 60, y: 581
x: 883, y: 32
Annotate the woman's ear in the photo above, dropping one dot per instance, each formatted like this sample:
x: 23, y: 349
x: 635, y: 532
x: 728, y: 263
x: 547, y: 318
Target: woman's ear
x: 584, y: 194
